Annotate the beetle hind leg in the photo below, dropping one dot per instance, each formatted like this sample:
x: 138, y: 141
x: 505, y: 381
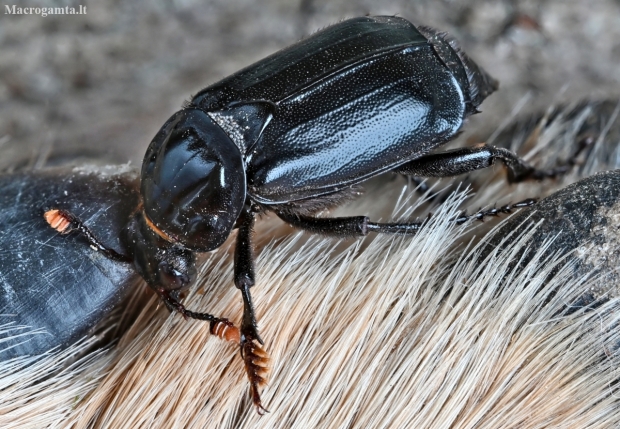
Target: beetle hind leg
x: 464, y: 160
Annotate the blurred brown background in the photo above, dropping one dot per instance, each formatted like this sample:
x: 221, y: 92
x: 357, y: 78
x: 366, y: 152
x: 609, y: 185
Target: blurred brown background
x: 101, y: 84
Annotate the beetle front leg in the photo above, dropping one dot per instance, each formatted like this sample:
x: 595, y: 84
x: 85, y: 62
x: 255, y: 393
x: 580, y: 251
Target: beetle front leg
x: 244, y: 274
x: 255, y: 358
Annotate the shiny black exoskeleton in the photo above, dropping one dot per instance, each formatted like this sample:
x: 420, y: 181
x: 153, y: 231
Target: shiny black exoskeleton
x: 53, y: 291
x: 292, y: 134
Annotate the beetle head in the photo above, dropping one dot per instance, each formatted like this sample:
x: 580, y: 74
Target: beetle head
x: 193, y: 181
x: 475, y: 82
x: 160, y: 263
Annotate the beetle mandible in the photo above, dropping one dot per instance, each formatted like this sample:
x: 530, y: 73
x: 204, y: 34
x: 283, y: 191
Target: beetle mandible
x: 292, y: 134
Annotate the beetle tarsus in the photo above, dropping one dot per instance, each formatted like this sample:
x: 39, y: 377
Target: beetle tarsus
x: 361, y: 225
x: 519, y: 170
x: 584, y: 143
x: 173, y: 304
x: 495, y: 211
x: 257, y: 367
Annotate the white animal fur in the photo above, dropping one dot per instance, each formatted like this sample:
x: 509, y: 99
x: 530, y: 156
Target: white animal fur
x: 407, y: 332
x: 391, y: 332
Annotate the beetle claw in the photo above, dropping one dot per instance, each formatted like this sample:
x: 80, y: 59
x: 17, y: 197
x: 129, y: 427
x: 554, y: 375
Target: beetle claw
x: 251, y: 333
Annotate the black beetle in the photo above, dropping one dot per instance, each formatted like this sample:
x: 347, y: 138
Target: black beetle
x: 292, y: 134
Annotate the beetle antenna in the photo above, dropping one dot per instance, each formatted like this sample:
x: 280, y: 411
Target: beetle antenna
x: 65, y: 222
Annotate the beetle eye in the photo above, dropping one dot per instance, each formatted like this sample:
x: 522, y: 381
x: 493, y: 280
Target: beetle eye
x: 172, y: 278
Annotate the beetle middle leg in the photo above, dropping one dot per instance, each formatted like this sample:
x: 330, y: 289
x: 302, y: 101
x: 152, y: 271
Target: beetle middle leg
x: 465, y: 160
x: 421, y: 186
x: 361, y: 225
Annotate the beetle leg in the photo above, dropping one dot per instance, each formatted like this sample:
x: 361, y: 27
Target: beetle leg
x: 218, y: 326
x: 254, y: 356
x: 496, y: 211
x: 361, y: 225
x: 347, y: 226
x: 421, y: 186
x: 336, y: 226
x: 244, y: 273
x: 464, y: 160
x: 65, y: 222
